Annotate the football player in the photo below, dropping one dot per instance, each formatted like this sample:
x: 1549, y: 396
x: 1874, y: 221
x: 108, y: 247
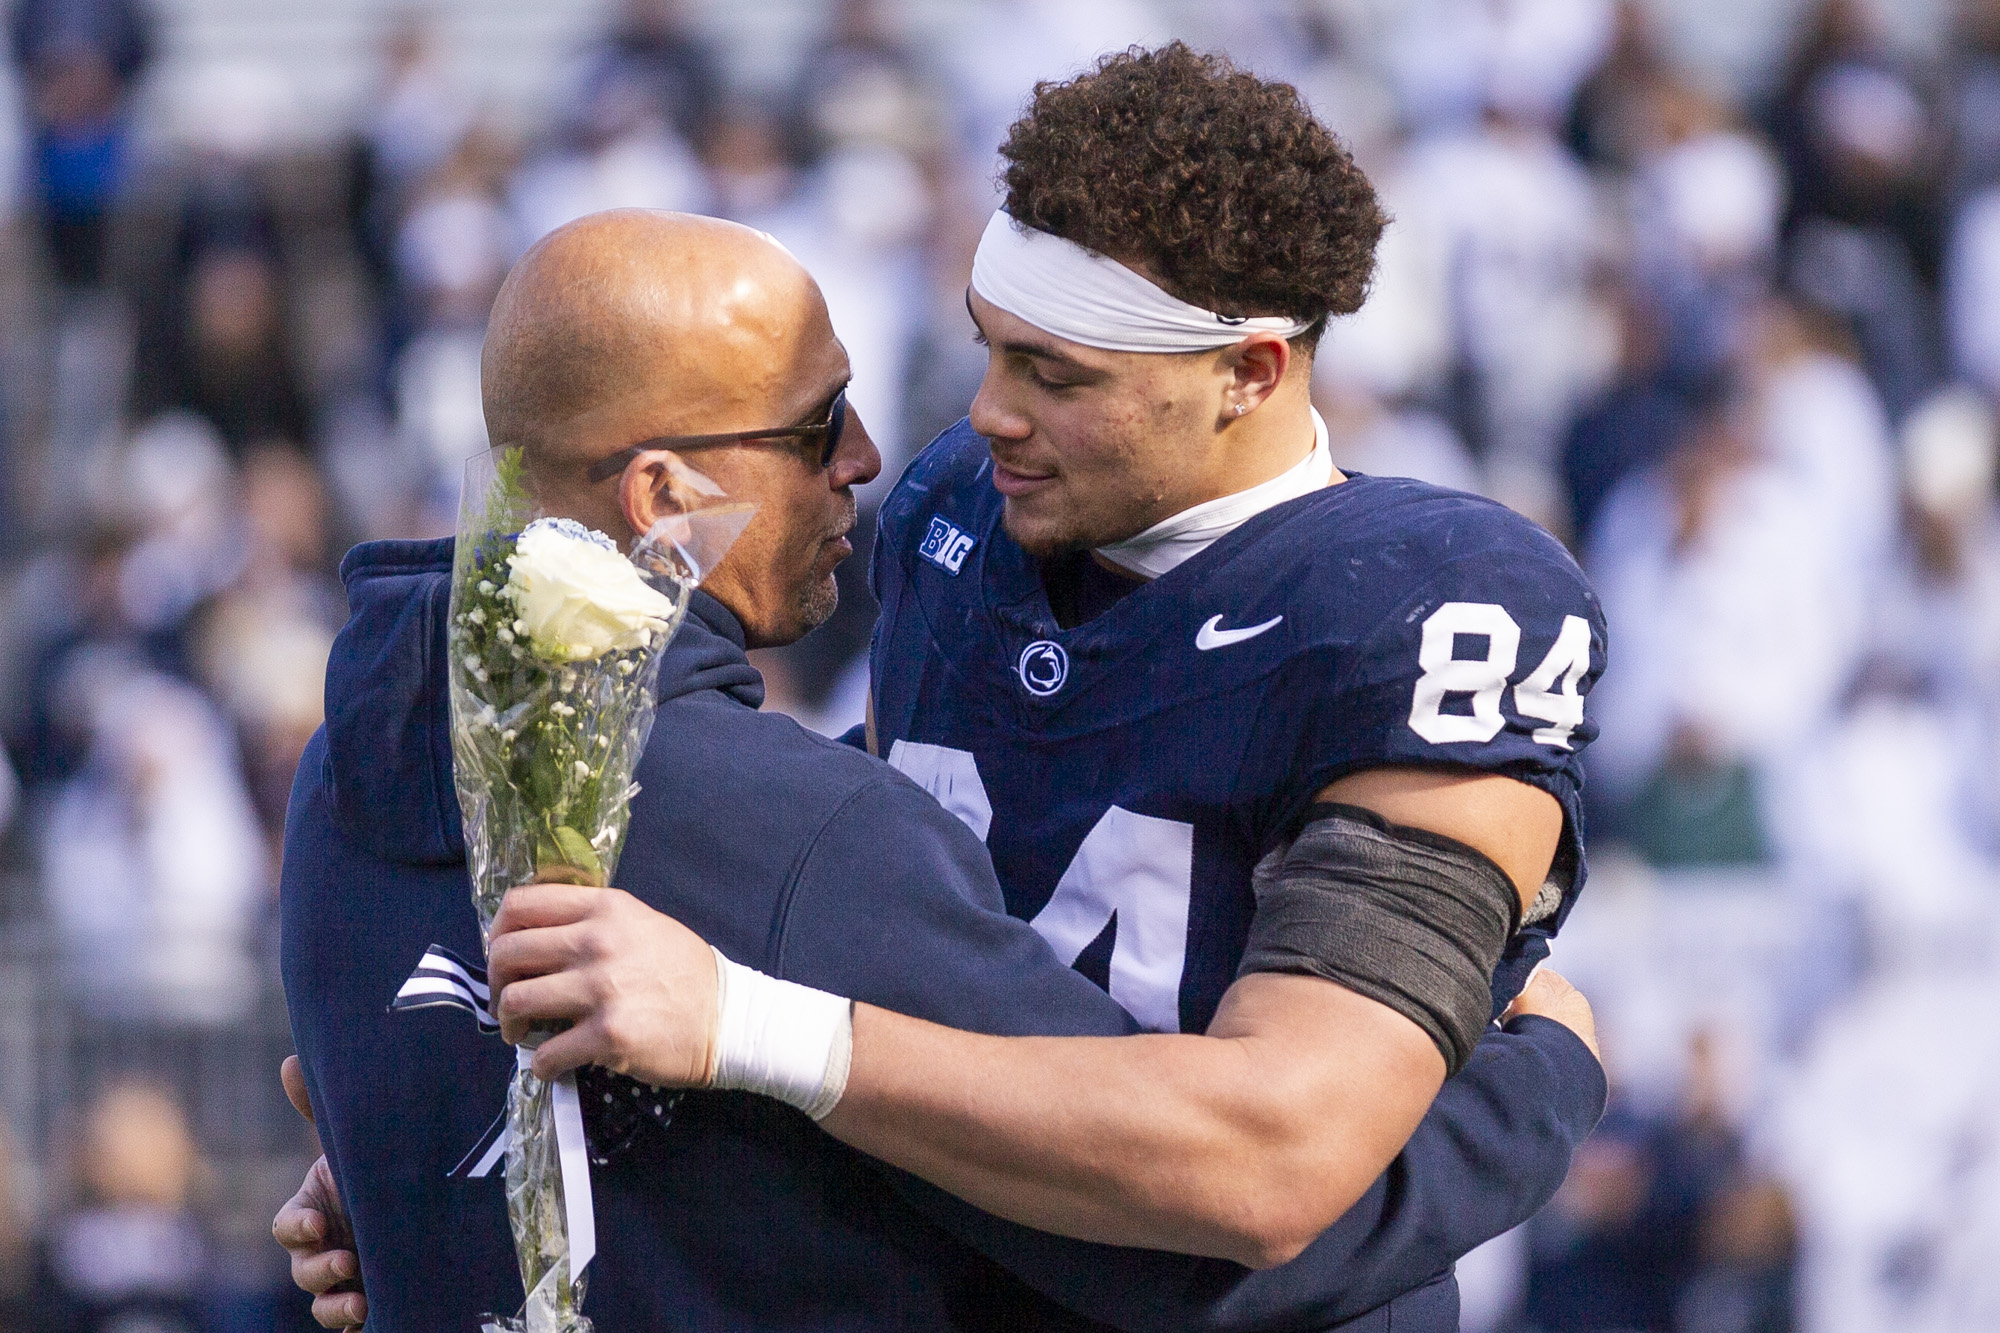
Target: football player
x: 1276, y: 754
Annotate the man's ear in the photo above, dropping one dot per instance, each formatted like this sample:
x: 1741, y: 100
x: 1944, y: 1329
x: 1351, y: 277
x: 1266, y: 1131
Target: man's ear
x: 657, y: 484
x: 642, y: 489
x: 1255, y: 366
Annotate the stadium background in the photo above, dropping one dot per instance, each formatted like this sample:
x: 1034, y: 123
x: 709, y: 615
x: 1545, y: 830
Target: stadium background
x: 1710, y: 287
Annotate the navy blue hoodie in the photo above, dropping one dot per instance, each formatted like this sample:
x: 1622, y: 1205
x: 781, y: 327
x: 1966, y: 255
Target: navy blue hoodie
x: 812, y: 861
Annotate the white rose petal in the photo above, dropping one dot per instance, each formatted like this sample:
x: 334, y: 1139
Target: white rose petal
x: 578, y: 599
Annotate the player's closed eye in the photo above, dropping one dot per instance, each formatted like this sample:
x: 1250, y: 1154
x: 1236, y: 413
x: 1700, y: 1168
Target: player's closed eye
x: 1034, y: 374
x: 1032, y: 370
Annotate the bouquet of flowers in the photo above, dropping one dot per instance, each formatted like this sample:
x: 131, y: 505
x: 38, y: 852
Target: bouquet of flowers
x: 555, y: 644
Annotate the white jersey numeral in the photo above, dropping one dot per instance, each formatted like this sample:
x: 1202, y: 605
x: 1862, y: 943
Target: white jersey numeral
x: 1549, y: 694
x: 1138, y: 869
x: 1135, y: 868
x: 1484, y: 678
x: 952, y: 776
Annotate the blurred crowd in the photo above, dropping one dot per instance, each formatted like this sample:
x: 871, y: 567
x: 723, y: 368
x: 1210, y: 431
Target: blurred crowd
x: 1733, y: 334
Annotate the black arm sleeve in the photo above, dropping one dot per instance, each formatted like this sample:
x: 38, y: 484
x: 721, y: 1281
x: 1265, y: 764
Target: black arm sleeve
x: 1411, y: 919
x: 920, y: 932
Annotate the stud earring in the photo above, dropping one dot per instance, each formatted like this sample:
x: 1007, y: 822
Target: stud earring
x: 1241, y: 408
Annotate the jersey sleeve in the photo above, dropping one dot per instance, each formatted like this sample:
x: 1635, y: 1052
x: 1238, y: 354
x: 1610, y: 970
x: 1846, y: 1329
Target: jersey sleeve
x: 1484, y: 663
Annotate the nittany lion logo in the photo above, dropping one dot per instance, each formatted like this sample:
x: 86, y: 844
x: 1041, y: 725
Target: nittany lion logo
x: 1044, y: 666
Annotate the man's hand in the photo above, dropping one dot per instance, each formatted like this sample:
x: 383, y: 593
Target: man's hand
x: 637, y: 986
x: 312, y: 1226
x: 1550, y: 995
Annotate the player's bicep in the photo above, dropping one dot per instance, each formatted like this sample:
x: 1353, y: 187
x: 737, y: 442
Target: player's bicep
x: 1384, y: 1067
x: 1517, y: 825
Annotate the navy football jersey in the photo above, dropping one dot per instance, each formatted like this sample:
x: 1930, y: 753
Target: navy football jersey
x: 1128, y: 773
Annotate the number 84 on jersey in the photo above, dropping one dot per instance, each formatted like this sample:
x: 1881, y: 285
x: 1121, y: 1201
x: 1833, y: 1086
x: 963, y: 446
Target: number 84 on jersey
x: 1457, y: 696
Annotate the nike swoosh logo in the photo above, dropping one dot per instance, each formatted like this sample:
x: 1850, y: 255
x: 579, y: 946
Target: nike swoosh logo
x: 1211, y: 636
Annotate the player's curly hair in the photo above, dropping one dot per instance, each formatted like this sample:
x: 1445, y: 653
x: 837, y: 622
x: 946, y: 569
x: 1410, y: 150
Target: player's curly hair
x: 1221, y: 183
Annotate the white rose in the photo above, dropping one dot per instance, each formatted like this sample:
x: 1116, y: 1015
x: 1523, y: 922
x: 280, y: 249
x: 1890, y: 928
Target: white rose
x: 577, y: 598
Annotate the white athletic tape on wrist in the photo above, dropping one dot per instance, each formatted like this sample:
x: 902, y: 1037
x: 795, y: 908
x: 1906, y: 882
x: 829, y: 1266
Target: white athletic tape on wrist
x: 780, y: 1039
x: 1078, y: 294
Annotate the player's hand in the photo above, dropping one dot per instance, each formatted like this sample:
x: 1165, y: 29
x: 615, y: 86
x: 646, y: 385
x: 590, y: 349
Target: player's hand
x: 1549, y: 994
x: 312, y: 1226
x: 637, y: 987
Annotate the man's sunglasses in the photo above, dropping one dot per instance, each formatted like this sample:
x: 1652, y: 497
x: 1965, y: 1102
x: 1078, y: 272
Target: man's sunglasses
x: 827, y: 432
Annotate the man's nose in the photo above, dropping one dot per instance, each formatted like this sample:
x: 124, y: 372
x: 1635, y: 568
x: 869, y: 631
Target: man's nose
x: 857, y: 461
x: 990, y: 415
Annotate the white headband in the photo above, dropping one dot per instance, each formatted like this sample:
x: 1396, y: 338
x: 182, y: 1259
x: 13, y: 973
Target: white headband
x: 1077, y: 294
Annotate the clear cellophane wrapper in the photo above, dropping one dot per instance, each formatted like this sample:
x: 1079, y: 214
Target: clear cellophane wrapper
x: 543, y: 754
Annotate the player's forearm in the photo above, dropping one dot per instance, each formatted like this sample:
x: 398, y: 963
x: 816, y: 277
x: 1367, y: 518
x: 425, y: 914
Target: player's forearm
x: 1097, y: 1138
x: 1244, y: 1145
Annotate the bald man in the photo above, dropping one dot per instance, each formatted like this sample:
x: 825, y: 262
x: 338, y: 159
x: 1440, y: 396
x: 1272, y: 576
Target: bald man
x: 613, y: 343
x: 622, y: 329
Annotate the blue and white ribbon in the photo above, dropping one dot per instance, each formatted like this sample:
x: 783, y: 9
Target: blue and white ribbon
x: 486, y: 1154
x: 443, y: 978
